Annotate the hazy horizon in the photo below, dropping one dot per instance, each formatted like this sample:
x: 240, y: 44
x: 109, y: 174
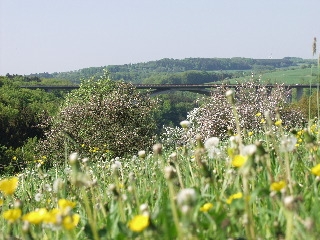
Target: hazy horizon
x: 59, y: 36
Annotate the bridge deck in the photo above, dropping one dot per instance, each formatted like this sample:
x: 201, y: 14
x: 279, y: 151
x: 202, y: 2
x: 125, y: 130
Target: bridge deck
x: 172, y: 86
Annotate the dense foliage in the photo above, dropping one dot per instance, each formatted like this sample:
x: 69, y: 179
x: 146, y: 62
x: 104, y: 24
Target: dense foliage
x: 216, y: 116
x: 21, y: 112
x: 102, y: 114
x: 140, y: 72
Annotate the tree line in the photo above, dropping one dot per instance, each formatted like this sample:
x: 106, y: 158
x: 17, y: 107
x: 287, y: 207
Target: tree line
x: 142, y: 72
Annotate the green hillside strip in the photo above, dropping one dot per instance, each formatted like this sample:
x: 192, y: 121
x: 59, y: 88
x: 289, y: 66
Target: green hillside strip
x: 207, y: 69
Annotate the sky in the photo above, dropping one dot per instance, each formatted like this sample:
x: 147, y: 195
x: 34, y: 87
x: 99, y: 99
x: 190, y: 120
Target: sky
x: 64, y: 35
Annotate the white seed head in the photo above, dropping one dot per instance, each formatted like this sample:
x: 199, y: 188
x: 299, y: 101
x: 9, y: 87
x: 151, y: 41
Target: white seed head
x: 157, y: 148
x: 57, y: 185
x: 73, y: 158
x: 288, y: 201
x: 169, y: 172
x: 142, y: 154
x: 249, y: 150
x: 187, y: 197
x: 211, y: 143
x: 38, y: 197
x: 185, y: 124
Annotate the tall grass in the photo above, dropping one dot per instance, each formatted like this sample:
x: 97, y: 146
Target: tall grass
x: 252, y: 186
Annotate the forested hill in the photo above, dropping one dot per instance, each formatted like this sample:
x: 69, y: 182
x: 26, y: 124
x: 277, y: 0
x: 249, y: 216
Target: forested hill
x: 176, y: 70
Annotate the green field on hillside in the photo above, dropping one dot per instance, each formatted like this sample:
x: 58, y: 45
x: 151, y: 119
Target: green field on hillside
x: 288, y: 76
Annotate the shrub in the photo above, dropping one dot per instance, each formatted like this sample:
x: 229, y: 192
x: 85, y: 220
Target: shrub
x: 102, y: 115
x: 215, y: 118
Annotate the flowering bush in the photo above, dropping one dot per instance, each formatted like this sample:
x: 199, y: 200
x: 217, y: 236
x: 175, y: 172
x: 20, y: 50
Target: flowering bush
x: 215, y: 116
x: 102, y: 116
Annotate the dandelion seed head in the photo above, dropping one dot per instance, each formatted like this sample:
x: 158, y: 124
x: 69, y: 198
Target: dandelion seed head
x: 187, y: 197
x: 73, y: 158
x: 38, y: 197
x: 142, y: 154
x: 185, y: 124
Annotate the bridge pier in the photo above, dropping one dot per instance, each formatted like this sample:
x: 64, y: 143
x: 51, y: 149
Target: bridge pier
x: 299, y: 93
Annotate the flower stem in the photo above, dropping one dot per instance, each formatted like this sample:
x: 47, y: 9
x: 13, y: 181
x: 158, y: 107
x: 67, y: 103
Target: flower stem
x: 174, y: 211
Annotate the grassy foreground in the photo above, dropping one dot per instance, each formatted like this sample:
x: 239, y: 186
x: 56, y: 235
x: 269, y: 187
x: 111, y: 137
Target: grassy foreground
x: 250, y: 186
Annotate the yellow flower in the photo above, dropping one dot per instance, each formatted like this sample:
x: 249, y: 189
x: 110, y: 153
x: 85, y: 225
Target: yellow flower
x: 262, y: 120
x: 70, y: 222
x: 8, y: 186
x: 234, y: 196
x: 239, y: 160
x: 14, y: 158
x: 316, y: 170
x: 12, y: 215
x: 277, y: 186
x: 139, y: 223
x: 35, y: 217
x: 53, y: 216
x: 206, y: 207
x: 40, y: 161
x: 65, y: 204
x: 258, y: 114
x: 250, y: 134
x: 278, y: 122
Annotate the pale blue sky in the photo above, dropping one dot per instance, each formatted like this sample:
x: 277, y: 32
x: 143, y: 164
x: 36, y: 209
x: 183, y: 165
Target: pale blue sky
x: 62, y: 35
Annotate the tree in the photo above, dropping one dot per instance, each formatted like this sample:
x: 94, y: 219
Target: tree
x: 102, y: 114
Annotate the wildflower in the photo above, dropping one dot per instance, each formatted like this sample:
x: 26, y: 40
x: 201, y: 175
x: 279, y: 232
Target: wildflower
x: 144, y: 209
x: 206, y: 207
x: 73, y: 157
x: 278, y: 123
x: 139, y: 223
x: 142, y: 154
x: 316, y: 170
x: 288, y: 143
x: 211, y: 142
x: 288, y: 201
x: 250, y: 134
x: 8, y: 186
x: 157, y: 148
x: 277, y: 186
x: 239, y: 160
x: 233, y: 197
x: 70, y: 222
x: 14, y: 158
x: 249, y: 150
x: 185, y: 124
x: 12, y: 215
x: 116, y: 166
x: 187, y: 197
x: 211, y: 146
x: 38, y: 197
x: 262, y: 121
x: 52, y: 216
x: 230, y: 96
x: 169, y: 172
x: 258, y: 114
x: 66, y: 205
x: 35, y: 217
x: 57, y: 185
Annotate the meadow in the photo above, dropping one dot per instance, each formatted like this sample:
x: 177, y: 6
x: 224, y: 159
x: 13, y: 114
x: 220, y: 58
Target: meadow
x: 292, y: 75
x: 259, y: 183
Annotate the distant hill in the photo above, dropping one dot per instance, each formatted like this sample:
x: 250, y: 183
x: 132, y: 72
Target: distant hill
x: 167, y: 70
